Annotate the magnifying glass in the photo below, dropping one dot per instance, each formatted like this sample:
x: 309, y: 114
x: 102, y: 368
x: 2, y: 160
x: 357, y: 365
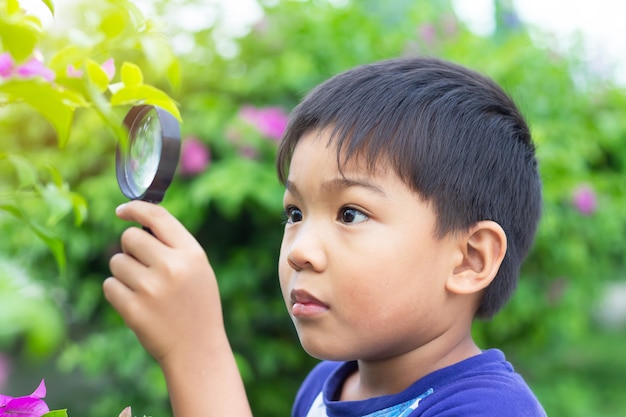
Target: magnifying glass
x: 145, y: 167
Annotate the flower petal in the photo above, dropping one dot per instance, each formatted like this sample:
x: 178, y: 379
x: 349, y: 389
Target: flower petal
x: 6, y: 65
x: 73, y: 72
x: 25, y: 407
x: 269, y: 121
x: 35, y: 68
x: 40, y: 392
x: 195, y: 157
x: 4, y: 399
x: 109, y: 68
x: 585, y: 200
x: 126, y: 412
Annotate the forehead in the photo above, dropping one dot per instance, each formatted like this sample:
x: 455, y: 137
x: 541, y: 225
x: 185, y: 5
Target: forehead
x: 320, y: 146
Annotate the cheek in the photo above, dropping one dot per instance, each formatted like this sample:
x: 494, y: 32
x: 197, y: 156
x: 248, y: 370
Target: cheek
x: 284, y: 272
x: 364, y: 288
x: 386, y: 282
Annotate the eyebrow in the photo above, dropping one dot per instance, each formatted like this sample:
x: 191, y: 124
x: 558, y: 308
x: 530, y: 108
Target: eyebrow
x: 338, y: 184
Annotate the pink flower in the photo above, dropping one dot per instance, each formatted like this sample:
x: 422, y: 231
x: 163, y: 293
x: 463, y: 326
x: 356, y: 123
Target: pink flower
x: 127, y: 412
x: 428, y: 33
x: 5, y: 369
x: 31, y: 405
x: 584, y: 200
x: 34, y: 68
x: 270, y: 121
x: 450, y: 25
x: 6, y: 65
x: 73, y: 72
x: 109, y: 67
x: 248, y: 152
x: 194, y: 157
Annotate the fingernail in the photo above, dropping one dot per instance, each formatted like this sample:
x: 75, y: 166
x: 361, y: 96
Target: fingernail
x: 120, y: 208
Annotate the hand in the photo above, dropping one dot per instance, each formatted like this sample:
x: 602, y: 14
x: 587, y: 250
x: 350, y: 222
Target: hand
x: 163, y: 285
x: 166, y: 291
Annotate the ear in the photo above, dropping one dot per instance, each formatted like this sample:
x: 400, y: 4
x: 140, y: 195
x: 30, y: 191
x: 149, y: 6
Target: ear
x: 481, y: 251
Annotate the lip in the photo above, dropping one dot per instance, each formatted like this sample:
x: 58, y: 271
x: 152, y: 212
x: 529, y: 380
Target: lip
x: 304, y: 304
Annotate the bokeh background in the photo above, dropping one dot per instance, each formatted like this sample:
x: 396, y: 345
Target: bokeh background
x: 565, y: 329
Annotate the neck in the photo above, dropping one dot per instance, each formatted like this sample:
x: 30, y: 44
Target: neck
x: 375, y: 378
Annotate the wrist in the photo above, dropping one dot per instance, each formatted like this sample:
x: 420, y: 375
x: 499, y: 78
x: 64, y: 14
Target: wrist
x: 205, y: 380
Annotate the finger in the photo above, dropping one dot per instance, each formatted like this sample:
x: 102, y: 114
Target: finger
x: 128, y: 271
x: 118, y: 295
x: 143, y: 246
x: 163, y: 225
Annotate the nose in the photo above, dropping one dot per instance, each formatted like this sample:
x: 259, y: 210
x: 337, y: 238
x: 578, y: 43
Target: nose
x: 305, y: 248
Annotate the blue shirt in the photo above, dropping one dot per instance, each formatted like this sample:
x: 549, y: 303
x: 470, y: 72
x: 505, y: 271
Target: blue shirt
x: 481, y: 386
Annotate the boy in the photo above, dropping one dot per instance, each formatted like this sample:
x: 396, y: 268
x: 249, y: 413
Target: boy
x: 412, y: 197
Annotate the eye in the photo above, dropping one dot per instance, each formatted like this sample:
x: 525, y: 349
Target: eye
x: 351, y: 215
x: 293, y: 214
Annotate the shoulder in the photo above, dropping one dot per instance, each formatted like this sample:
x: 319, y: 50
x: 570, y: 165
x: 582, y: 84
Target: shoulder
x: 484, y: 386
x: 313, y: 385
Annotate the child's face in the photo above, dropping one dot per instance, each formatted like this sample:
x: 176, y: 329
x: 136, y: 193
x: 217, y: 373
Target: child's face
x: 362, y: 274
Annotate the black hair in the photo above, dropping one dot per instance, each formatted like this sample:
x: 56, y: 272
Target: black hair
x: 453, y: 135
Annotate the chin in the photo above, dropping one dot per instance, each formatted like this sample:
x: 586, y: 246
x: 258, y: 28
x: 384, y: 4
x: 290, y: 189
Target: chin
x: 319, y: 349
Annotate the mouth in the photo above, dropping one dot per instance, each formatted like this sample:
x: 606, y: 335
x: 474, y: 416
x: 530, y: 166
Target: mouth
x: 304, y: 304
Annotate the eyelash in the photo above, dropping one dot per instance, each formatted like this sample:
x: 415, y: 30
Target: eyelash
x: 289, y: 212
x: 344, y: 210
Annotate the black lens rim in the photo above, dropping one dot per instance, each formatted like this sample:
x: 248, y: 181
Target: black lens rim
x: 168, y: 160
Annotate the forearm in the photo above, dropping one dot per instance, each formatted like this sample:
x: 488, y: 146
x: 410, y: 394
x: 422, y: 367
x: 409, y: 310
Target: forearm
x: 206, y: 382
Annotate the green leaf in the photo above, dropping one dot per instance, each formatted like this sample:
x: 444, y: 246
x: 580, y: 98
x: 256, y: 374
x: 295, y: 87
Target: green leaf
x: 43, y: 97
x: 114, y: 23
x: 79, y: 205
x: 131, y: 75
x: 173, y: 74
x: 73, y: 99
x: 97, y: 75
x: 56, y: 413
x: 49, y: 5
x: 58, y: 202
x: 133, y: 11
x: 13, y: 6
x: 103, y: 108
x: 57, y: 178
x: 54, y: 243
x: 33, y: 23
x: 26, y: 172
x: 71, y: 54
x: 145, y: 94
x: 18, y: 40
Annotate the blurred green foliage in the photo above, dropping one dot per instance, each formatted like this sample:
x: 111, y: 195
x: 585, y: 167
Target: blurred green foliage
x: 54, y: 86
x: 549, y: 330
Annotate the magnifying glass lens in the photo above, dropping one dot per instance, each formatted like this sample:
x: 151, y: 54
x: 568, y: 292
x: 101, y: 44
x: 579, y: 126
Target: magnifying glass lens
x: 145, y: 167
x: 144, y: 151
